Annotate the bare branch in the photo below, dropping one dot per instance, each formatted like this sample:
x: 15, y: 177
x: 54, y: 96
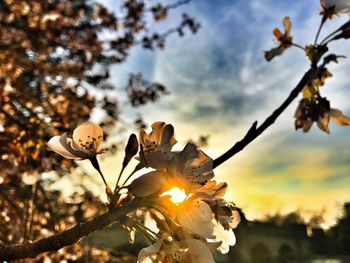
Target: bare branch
x: 255, y: 131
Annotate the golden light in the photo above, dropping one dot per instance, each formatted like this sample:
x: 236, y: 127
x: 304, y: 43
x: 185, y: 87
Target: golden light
x: 176, y: 194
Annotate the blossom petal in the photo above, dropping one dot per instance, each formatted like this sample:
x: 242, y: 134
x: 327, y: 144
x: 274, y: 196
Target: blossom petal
x: 189, y: 152
x: 55, y: 145
x: 339, y: 118
x: 339, y: 6
x: 200, y: 169
x: 88, y: 137
x: 211, y: 190
x: 227, y: 237
x: 235, y: 219
x: 67, y: 144
x: 287, y: 25
x: 155, y: 134
x: 157, y: 160
x: 179, y: 159
x: 162, y: 135
x: 147, y: 252
x: 197, y: 252
x: 167, y: 139
x: 147, y: 184
x: 196, y: 216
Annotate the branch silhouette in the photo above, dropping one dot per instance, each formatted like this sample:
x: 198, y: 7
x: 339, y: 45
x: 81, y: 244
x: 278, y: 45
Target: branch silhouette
x: 256, y: 130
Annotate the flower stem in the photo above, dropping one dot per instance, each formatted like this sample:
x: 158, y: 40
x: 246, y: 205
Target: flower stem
x: 319, y: 29
x: 138, y: 167
x: 96, y: 165
x: 327, y: 39
x: 146, y: 228
x: 298, y: 46
x: 119, y: 176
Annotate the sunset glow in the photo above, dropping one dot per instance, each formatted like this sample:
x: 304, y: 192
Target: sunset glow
x: 176, y: 194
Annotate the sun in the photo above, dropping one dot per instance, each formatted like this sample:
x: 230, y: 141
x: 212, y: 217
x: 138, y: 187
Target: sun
x: 176, y: 194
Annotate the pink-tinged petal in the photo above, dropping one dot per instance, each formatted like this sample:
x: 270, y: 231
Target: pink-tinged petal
x: 88, y: 137
x: 147, y: 252
x: 196, y: 217
x: 147, y: 184
x: 55, y: 145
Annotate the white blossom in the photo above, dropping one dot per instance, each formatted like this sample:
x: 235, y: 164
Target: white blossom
x: 331, y: 8
x: 85, y: 144
x: 192, y: 166
x: 156, y: 146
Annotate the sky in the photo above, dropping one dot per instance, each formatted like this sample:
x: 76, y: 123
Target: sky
x: 220, y: 84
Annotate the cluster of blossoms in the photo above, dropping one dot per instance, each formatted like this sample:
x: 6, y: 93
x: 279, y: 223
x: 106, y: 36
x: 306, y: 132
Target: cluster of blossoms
x: 185, y: 217
x: 314, y: 108
x: 197, y: 217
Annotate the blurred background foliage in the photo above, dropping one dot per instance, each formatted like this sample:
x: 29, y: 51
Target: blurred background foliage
x: 55, y: 58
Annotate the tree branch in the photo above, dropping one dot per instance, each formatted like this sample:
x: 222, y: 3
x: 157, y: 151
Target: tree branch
x: 68, y: 237
x: 255, y: 131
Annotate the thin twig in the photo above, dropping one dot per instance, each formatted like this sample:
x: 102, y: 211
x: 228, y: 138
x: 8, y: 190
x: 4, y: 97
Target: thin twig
x: 255, y: 131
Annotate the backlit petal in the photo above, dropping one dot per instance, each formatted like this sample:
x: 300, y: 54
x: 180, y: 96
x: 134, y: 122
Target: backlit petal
x: 339, y: 118
x: 88, y: 137
x: 147, y: 252
x: 55, y: 145
x: 227, y: 237
x: 196, y: 217
x: 197, y: 252
x: 147, y: 184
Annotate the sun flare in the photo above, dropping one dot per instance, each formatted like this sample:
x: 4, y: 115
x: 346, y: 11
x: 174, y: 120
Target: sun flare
x: 176, y: 194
